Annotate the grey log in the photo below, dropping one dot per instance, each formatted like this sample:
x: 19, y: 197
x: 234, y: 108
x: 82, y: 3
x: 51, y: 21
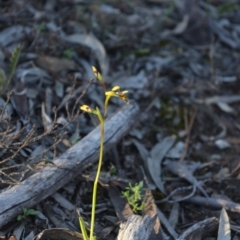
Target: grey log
x: 44, y: 183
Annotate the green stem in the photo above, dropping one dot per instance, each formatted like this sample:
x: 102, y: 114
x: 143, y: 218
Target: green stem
x: 94, y: 198
x: 106, y: 106
x: 83, y: 228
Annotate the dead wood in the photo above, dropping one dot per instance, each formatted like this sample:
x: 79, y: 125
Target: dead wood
x: 200, y: 230
x: 215, y: 203
x: 137, y: 228
x: 44, y: 183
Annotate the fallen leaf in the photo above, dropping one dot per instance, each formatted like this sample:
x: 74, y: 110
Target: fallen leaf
x: 89, y: 40
x: 154, y: 162
x: 224, y: 230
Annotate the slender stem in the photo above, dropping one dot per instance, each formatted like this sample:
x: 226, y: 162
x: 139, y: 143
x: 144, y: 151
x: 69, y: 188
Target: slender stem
x: 104, y: 86
x: 94, y: 198
x: 83, y: 228
x: 106, y: 106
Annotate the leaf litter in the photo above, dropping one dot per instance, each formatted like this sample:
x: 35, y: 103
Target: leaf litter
x: 175, y: 58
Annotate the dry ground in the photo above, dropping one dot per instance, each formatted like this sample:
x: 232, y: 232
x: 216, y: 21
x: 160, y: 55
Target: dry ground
x: 180, y: 62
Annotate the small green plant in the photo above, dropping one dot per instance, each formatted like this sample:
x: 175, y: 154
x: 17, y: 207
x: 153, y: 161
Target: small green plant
x: 68, y: 53
x: 113, y: 170
x: 227, y: 7
x: 134, y: 196
x: 26, y: 213
x: 5, y: 81
x: 42, y: 27
x: 115, y: 92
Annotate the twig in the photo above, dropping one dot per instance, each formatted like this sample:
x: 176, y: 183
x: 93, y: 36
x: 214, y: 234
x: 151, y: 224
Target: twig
x: 188, y: 136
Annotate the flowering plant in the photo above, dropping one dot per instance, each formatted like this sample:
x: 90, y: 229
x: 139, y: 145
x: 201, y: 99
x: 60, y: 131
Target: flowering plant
x: 115, y: 92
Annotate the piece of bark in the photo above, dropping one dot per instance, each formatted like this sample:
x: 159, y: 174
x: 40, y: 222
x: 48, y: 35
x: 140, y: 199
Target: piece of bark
x: 150, y: 208
x: 137, y: 228
x: 84, y: 153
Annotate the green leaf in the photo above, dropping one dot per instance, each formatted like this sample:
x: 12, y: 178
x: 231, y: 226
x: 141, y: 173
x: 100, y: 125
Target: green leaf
x: 113, y: 170
x: 19, y: 217
x: 68, y: 53
x: 32, y: 212
x: 13, y: 64
x: 83, y: 229
x: 133, y: 194
x: 42, y: 27
x: 13, y: 61
x: 2, y: 79
x: 25, y: 211
x: 140, y: 185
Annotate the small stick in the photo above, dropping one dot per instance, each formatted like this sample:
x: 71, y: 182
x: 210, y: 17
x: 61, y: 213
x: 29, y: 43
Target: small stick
x: 188, y: 136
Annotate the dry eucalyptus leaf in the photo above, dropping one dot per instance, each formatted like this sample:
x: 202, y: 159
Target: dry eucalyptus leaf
x: 224, y: 230
x: 184, y: 171
x: 225, y: 107
x: 97, y: 48
x: 13, y: 34
x: 55, y: 64
x: 181, y: 26
x: 176, y: 151
x: 19, y: 230
x: 63, y: 201
x: 31, y: 76
x: 222, y: 144
x: 46, y: 120
x: 138, y: 81
x: 157, y: 155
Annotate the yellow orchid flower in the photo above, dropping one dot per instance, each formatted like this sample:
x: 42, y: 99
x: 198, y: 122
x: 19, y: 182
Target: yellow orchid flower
x: 97, y: 74
x: 88, y: 109
x: 99, y: 77
x: 115, y: 92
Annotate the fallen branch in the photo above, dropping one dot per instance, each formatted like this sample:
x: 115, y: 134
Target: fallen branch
x: 201, y: 230
x: 215, y: 203
x: 44, y: 183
